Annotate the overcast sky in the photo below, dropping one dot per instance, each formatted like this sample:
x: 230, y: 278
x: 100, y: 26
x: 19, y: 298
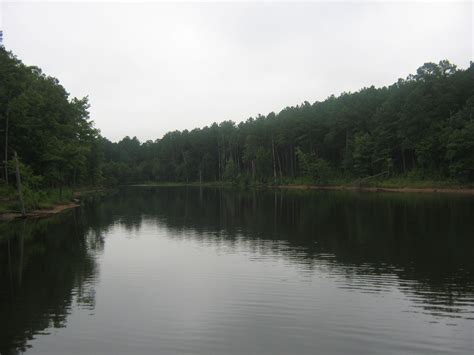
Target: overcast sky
x: 149, y: 68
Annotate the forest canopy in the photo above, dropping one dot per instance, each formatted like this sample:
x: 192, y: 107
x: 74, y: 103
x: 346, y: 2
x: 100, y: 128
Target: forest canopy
x: 421, y: 126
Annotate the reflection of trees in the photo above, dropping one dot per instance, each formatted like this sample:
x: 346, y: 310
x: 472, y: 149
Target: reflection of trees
x: 421, y: 244
x: 45, y: 268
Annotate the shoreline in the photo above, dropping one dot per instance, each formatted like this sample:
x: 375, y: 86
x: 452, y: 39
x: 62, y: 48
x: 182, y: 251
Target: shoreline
x: 463, y: 190
x: 433, y: 190
x: 42, y: 213
x: 56, y: 209
x: 9, y: 216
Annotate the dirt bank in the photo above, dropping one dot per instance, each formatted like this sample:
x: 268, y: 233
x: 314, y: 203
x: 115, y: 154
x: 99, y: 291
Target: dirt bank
x: 8, y: 216
x: 38, y: 213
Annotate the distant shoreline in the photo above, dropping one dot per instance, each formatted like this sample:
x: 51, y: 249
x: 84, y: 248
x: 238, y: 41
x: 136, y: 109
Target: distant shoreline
x: 461, y: 190
x: 434, y: 190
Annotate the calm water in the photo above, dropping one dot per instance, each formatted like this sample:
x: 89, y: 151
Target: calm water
x: 218, y: 271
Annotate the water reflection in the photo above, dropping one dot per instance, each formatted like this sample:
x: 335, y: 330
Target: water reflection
x: 418, y: 245
x: 46, y: 268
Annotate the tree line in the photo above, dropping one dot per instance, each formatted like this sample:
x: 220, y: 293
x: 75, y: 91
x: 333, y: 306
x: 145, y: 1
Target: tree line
x: 421, y: 126
x: 52, y: 134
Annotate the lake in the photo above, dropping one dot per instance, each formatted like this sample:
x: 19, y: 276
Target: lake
x: 176, y: 270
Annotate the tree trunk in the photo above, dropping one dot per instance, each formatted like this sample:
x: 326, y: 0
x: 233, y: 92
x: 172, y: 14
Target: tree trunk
x: 6, y: 148
x: 74, y: 177
x: 403, y: 161
x: 219, y: 161
x: 223, y: 161
x: 292, y: 164
x: 18, y: 185
x: 185, y: 166
x: 274, y: 163
x: 279, y: 165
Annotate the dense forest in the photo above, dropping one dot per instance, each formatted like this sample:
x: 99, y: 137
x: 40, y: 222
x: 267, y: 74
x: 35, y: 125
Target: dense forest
x: 420, y: 127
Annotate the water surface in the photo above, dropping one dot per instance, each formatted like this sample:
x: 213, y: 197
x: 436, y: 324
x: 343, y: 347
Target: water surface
x: 220, y: 271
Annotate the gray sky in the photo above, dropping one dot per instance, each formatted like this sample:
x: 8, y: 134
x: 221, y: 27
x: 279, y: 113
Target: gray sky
x: 150, y: 67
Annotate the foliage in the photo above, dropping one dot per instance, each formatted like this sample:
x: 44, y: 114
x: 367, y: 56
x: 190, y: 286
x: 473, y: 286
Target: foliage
x: 422, y: 125
x: 317, y: 169
x: 51, y: 133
